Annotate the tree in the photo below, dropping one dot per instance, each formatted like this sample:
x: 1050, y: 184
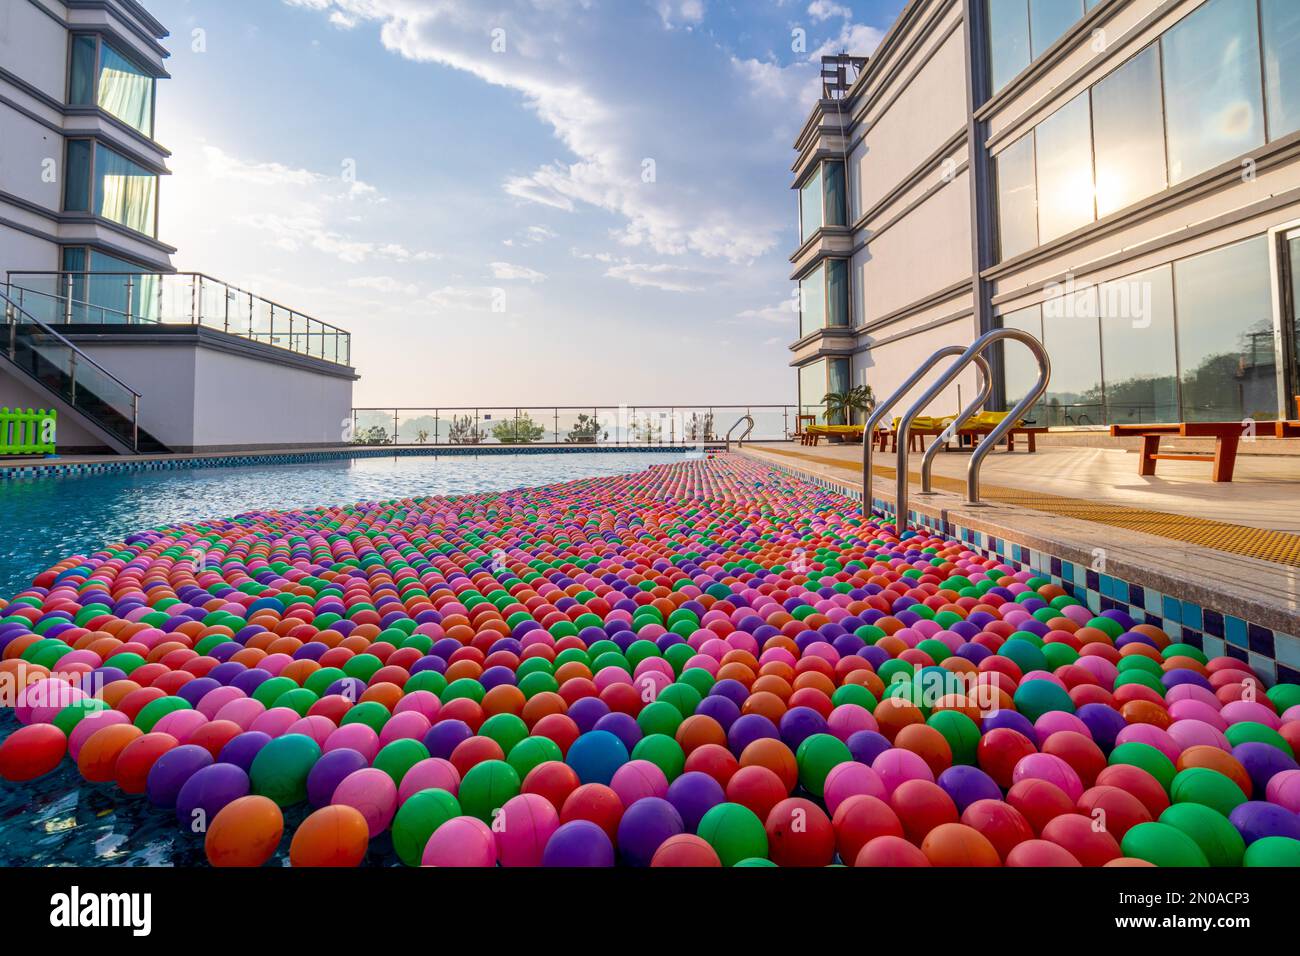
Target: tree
x: 646, y: 430
x: 842, y: 406
x: 421, y: 436
x: 463, y: 431
x: 520, y: 430
x: 585, y: 431
x: 700, y: 428
x: 374, y: 435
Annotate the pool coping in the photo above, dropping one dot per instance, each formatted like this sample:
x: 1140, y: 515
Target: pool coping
x: 1258, y: 628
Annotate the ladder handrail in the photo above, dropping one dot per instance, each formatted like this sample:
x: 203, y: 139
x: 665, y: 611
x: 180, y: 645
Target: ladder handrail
x: 996, y: 435
x: 743, y: 418
x: 966, y: 414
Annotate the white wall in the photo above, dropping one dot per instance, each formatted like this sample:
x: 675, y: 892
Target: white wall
x: 17, y: 391
x: 26, y: 149
x: 34, y: 46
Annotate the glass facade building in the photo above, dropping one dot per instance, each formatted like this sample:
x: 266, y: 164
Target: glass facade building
x: 102, y: 75
x: 102, y: 181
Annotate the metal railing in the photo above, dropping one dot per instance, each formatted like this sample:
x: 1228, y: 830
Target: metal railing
x: 175, y: 298
x: 565, y: 424
x: 749, y: 430
x: 966, y: 357
x: 54, y: 362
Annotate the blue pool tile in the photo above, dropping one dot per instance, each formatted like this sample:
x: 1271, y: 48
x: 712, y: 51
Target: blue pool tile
x: 1234, y: 630
x: 1260, y: 640
x: 1137, y: 595
x: 1212, y: 646
x: 1287, y: 675
x: 1238, y: 653
x: 1172, y: 609
x: 1265, y: 667
x: 1287, y: 649
x: 1214, y: 624
x: 1192, y: 615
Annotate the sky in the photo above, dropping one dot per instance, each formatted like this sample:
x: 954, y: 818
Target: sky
x: 508, y: 201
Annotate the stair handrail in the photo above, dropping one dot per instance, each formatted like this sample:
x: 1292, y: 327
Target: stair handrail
x: 965, y: 415
x: 997, y: 434
x: 741, y: 440
x: 12, y: 309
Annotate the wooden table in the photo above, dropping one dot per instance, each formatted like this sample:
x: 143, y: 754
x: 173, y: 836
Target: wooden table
x: 1227, y: 435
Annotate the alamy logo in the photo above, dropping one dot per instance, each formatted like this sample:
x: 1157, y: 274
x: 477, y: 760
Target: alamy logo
x: 76, y: 909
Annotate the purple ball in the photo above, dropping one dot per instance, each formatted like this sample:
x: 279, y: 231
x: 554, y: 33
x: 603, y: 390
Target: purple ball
x: 644, y: 827
x: 800, y: 723
x: 749, y: 728
x: 1013, y: 719
x: 328, y: 772
x: 621, y: 725
x: 1262, y: 762
x: 1256, y: 819
x: 252, y: 679
x: 578, y: 843
x: 241, y: 750
x: 721, y: 709
x: 443, y: 737
x: 867, y: 745
x: 209, y: 789
x: 171, y: 770
x: 967, y: 784
x: 1104, y: 723
x: 733, y: 690
x: 193, y: 691
x: 694, y: 794
x: 586, y: 711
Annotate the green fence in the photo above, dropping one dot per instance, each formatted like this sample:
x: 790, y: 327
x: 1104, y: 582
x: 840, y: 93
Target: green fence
x: 27, y: 432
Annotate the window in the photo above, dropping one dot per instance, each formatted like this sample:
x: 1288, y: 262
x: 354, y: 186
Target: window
x: 1213, y: 103
x: 812, y: 389
x: 838, y: 372
x: 837, y: 293
x: 1008, y: 26
x: 1138, y: 349
x: 1049, y: 19
x: 1072, y: 334
x: 812, y: 301
x: 1226, y: 355
x: 112, y: 186
x: 101, y: 75
x: 1064, y: 168
x: 1019, y: 370
x: 834, y: 209
x: 1128, y: 133
x: 76, y: 176
x: 1017, y: 198
x: 1281, y: 30
x: 810, y: 205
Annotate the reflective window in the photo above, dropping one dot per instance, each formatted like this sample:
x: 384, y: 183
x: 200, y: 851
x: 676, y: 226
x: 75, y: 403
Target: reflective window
x: 1008, y: 24
x: 1064, y: 167
x: 124, y: 192
x: 1072, y: 334
x: 812, y: 298
x: 1019, y: 370
x: 1282, y: 65
x: 838, y: 372
x: 810, y: 205
x: 1226, y: 355
x: 76, y: 177
x: 1049, y: 19
x: 834, y: 209
x: 1017, y: 199
x: 1213, y: 103
x: 125, y: 90
x: 1139, y: 356
x: 837, y: 292
x: 1128, y: 133
x: 81, y: 73
x: 812, y: 389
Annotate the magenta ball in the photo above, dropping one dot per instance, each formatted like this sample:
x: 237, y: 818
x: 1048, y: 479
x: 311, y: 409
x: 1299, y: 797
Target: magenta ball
x: 461, y: 842
x: 372, y: 792
x: 850, y: 779
x: 523, y: 829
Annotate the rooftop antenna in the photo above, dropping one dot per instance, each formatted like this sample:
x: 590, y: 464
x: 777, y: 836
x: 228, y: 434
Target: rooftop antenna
x: 839, y: 72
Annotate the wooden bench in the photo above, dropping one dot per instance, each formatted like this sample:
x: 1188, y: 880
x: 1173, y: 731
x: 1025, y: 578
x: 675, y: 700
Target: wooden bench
x: 1227, y: 436
x: 1028, y: 432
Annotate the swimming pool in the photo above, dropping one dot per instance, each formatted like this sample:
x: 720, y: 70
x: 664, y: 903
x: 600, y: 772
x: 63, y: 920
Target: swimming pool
x: 46, y: 519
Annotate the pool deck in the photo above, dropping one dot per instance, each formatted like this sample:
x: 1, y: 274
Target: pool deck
x: 1233, y: 546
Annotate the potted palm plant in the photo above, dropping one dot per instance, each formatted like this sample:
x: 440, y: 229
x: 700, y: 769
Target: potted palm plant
x: 843, y: 408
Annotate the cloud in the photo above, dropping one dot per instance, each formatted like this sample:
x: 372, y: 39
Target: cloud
x: 822, y: 10
x: 684, y: 11
x: 661, y: 276
x: 222, y: 165
x: 451, y: 298
x: 532, y: 236
x: 855, y: 38
x: 308, y: 231
x: 385, y: 284
x: 510, y: 273
x: 782, y: 312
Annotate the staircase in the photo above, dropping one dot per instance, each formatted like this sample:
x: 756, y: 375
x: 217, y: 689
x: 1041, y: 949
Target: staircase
x: 103, y: 404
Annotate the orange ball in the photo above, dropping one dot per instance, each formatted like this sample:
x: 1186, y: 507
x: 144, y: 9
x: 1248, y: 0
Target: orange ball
x: 332, y: 836
x: 1212, y: 758
x: 246, y: 832
x: 928, y: 744
x: 955, y: 844
x: 138, y: 757
x: 97, y: 760
x: 893, y: 714
x: 766, y: 703
x: 775, y: 756
x: 699, y: 730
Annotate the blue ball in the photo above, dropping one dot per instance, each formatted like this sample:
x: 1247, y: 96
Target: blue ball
x: 596, y: 755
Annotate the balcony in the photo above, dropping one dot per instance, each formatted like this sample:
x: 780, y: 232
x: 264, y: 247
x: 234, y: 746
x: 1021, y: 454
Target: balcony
x: 178, y: 298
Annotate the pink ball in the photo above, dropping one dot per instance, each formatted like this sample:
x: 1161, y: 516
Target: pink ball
x: 1193, y: 692
x: 847, y: 719
x: 896, y: 766
x: 49, y: 695
x: 274, y: 663
x: 1051, y: 768
x: 217, y: 698
x: 1195, y: 733
x: 1191, y: 709
x: 432, y: 773
x: 1243, y: 710
x: 461, y: 842
x: 357, y: 737
x: 1284, y: 790
x: 275, y: 721
x: 525, y: 824
x: 1151, y: 735
x: 607, y: 676
x: 241, y: 710
x: 422, y: 702
x: 373, y: 793
x: 409, y: 725
x: 849, y: 779
x: 1055, y: 721
x: 318, y: 727
x: 636, y: 779
x: 1099, y: 667
x: 96, y: 720
x: 650, y: 683
x: 180, y: 724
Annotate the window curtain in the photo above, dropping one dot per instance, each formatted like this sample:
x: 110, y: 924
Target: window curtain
x: 125, y: 91
x: 127, y: 193
x: 81, y: 84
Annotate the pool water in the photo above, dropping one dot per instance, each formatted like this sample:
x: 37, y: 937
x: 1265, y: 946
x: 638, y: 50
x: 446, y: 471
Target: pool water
x: 48, y: 519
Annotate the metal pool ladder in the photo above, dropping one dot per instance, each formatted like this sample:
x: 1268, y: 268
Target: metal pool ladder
x: 964, y: 358
x: 748, y: 429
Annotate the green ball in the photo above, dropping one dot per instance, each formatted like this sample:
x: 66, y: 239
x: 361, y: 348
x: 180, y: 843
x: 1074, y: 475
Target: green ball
x: 682, y: 696
x: 464, y: 687
x: 1273, y: 851
x: 298, y: 700
x: 662, y: 751
x: 1207, y: 787
x: 1218, y: 839
x: 431, y: 681
x: 1059, y: 654
x: 1284, y: 696
x: 962, y: 734
x: 280, y: 769
x: 854, y: 694
x: 531, y: 752
x: 1248, y: 731
x: 362, y: 666
x: 1109, y: 625
x: 486, y: 787
x: 1135, y: 676
x: 1163, y: 845
x: 155, y: 710
x: 76, y: 712
x: 817, y: 756
x: 538, y: 682
x: 506, y: 729
x: 417, y: 818
x: 755, y: 861
x: 1185, y: 650
x: 1033, y: 698
x: 1147, y: 758
x: 399, y: 756
x: 936, y: 649
x: 659, y: 717
x: 371, y: 713
x: 319, y: 681
x: 125, y: 660
x: 698, y: 678
x: 735, y: 833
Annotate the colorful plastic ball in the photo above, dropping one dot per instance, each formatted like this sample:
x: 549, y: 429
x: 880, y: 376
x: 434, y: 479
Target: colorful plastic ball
x: 756, y: 788
x: 280, y: 769
x: 637, y: 779
x: 662, y: 751
x: 1139, y: 783
x: 1039, y: 801
x: 595, y: 803
x: 1257, y: 819
x: 817, y: 756
x: 334, y: 836
x: 1217, y: 838
x: 245, y: 833
x: 596, y: 755
x: 372, y: 793
x: 1162, y: 845
x: 578, y: 843
x: 523, y: 829
x: 553, y: 780
x: 32, y: 751
x: 890, y: 852
x: 921, y: 806
x: 461, y: 842
x: 97, y: 760
x: 329, y: 771
x: 967, y: 785
x: 207, y: 791
x: 1002, y: 824
x: 799, y: 834
x: 1040, y: 854
x: 999, y: 751
x: 1044, y: 766
x: 850, y: 779
x: 645, y: 825
x: 694, y: 794
x: 955, y: 844
x: 685, y: 850
x: 1118, y: 811
x: 485, y: 789
x: 735, y: 833
x: 417, y: 819
x: 431, y: 773
x: 896, y: 767
x: 1284, y: 790
x: 1087, y: 842
x: 1273, y: 851
x: 137, y: 759
x: 1208, y: 787
x: 858, y: 820
x: 172, y: 771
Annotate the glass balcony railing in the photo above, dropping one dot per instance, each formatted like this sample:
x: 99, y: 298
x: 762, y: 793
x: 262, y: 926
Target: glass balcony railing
x: 179, y: 298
